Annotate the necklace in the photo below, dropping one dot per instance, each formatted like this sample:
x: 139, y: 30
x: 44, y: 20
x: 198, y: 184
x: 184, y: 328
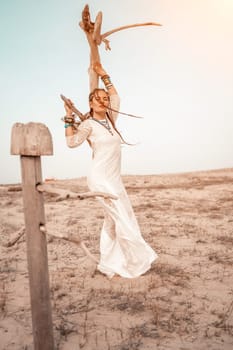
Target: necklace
x: 104, y: 123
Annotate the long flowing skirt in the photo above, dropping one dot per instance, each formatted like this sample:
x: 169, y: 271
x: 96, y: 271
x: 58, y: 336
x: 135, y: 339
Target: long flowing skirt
x: 123, y: 250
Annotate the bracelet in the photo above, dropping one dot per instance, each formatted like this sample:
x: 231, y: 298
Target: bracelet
x: 70, y: 115
x: 105, y: 77
x: 67, y: 125
x: 69, y: 120
x: 108, y: 86
x: 106, y: 80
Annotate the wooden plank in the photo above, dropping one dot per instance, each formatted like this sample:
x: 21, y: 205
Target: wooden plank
x: 31, y: 139
x: 37, y: 254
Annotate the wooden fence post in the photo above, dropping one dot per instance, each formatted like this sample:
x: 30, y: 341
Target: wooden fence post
x: 30, y: 141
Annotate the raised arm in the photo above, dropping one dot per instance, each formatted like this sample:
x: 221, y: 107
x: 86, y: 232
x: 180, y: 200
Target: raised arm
x: 114, y: 102
x: 97, y: 67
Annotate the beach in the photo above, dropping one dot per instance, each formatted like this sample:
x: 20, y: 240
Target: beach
x: 185, y: 301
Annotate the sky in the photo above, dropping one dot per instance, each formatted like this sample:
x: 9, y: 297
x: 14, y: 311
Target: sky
x: 179, y: 77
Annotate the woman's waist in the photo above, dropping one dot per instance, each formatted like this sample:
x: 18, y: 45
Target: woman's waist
x: 105, y: 160
x: 113, y: 186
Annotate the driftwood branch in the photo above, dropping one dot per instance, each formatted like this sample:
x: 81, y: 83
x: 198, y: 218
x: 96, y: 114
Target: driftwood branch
x: 72, y: 107
x: 103, y: 36
x: 64, y: 194
x: 71, y: 237
x: 92, y: 31
x: 95, y: 38
x: 14, y: 188
x: 97, y: 29
x: 74, y: 238
x: 107, y: 42
x: 16, y: 238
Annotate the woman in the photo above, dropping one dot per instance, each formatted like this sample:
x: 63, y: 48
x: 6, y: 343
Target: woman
x: 123, y: 251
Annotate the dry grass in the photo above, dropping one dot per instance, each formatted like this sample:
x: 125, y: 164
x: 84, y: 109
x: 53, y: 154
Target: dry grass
x: 183, y: 302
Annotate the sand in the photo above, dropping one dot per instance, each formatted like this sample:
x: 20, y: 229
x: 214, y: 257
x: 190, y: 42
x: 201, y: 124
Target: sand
x: 184, y: 302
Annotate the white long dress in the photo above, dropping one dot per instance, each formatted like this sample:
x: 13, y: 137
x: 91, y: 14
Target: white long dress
x: 123, y: 250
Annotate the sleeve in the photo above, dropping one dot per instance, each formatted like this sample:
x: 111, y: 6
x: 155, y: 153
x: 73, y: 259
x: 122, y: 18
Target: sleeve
x: 115, y: 105
x: 82, y: 134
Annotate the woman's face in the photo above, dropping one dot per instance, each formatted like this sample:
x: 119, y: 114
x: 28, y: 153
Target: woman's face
x: 100, y: 101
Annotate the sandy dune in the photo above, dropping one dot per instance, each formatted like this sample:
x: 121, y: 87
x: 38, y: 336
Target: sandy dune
x: 184, y: 302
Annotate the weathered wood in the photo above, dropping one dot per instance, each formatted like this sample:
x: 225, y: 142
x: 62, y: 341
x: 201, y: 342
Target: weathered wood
x: 37, y: 253
x: 92, y: 33
x: 97, y: 28
x: 64, y: 194
x: 70, y: 237
x: 75, y: 238
x: 17, y: 236
x: 94, y: 38
x: 32, y: 139
x: 14, y: 188
x: 73, y: 108
x: 103, y: 36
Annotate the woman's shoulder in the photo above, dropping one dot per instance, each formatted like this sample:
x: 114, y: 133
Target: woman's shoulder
x: 114, y: 98
x: 85, y: 123
x: 85, y: 127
